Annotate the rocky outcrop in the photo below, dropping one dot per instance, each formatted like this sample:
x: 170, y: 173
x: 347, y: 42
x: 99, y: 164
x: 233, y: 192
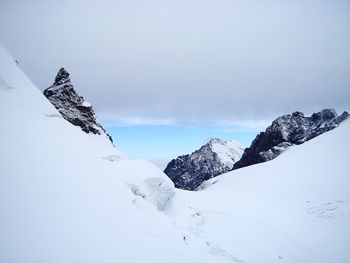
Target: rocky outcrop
x: 288, y: 130
x: 72, y: 107
x: 212, y: 159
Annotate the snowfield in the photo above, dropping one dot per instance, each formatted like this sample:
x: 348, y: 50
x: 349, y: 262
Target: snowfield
x: 295, y: 207
x: 229, y: 152
x: 68, y: 196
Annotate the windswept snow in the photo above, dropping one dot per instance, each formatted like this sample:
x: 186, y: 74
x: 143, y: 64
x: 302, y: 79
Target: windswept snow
x: 66, y: 196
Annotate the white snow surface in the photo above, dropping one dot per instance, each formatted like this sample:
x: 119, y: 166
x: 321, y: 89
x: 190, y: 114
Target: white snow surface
x: 229, y: 152
x: 67, y: 196
x: 86, y: 104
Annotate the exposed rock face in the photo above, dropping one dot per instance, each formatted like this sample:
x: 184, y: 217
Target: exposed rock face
x: 288, y: 130
x: 212, y: 159
x: 72, y: 107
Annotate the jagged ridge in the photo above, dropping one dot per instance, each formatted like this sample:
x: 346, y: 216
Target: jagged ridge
x: 212, y: 159
x: 288, y: 130
x: 72, y: 107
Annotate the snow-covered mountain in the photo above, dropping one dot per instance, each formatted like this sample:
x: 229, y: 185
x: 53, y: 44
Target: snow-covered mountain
x: 68, y: 196
x: 214, y: 158
x: 72, y: 106
x: 286, y: 131
x: 217, y: 157
x: 295, y: 208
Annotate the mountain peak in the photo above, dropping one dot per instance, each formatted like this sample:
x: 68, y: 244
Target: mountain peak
x: 286, y: 131
x: 73, y: 107
x: 62, y: 77
x: 216, y: 140
x: 214, y: 158
x: 298, y: 114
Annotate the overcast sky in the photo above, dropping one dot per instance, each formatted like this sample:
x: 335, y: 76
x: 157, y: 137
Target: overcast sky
x: 171, y: 62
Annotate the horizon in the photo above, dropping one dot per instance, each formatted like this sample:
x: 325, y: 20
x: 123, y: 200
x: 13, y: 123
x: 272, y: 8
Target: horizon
x: 164, y: 77
x: 110, y: 111
x: 166, y: 142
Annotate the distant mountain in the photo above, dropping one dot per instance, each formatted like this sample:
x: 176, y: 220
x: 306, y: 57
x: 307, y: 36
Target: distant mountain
x: 62, y: 200
x: 288, y: 130
x: 212, y: 159
x: 72, y: 107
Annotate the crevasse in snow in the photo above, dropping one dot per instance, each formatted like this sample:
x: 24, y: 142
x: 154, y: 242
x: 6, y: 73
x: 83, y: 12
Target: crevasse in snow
x: 64, y: 197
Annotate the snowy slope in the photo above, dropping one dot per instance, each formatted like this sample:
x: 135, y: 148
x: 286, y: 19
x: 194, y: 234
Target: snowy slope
x: 66, y: 196
x: 229, y: 152
x: 295, y: 208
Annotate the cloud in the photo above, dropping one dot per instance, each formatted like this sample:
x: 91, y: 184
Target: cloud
x: 137, y: 121
x: 242, y: 126
x: 164, y: 62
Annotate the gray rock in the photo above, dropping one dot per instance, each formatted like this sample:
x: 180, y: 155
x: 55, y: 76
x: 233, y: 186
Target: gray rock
x: 72, y: 107
x: 286, y: 131
x: 214, y: 158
